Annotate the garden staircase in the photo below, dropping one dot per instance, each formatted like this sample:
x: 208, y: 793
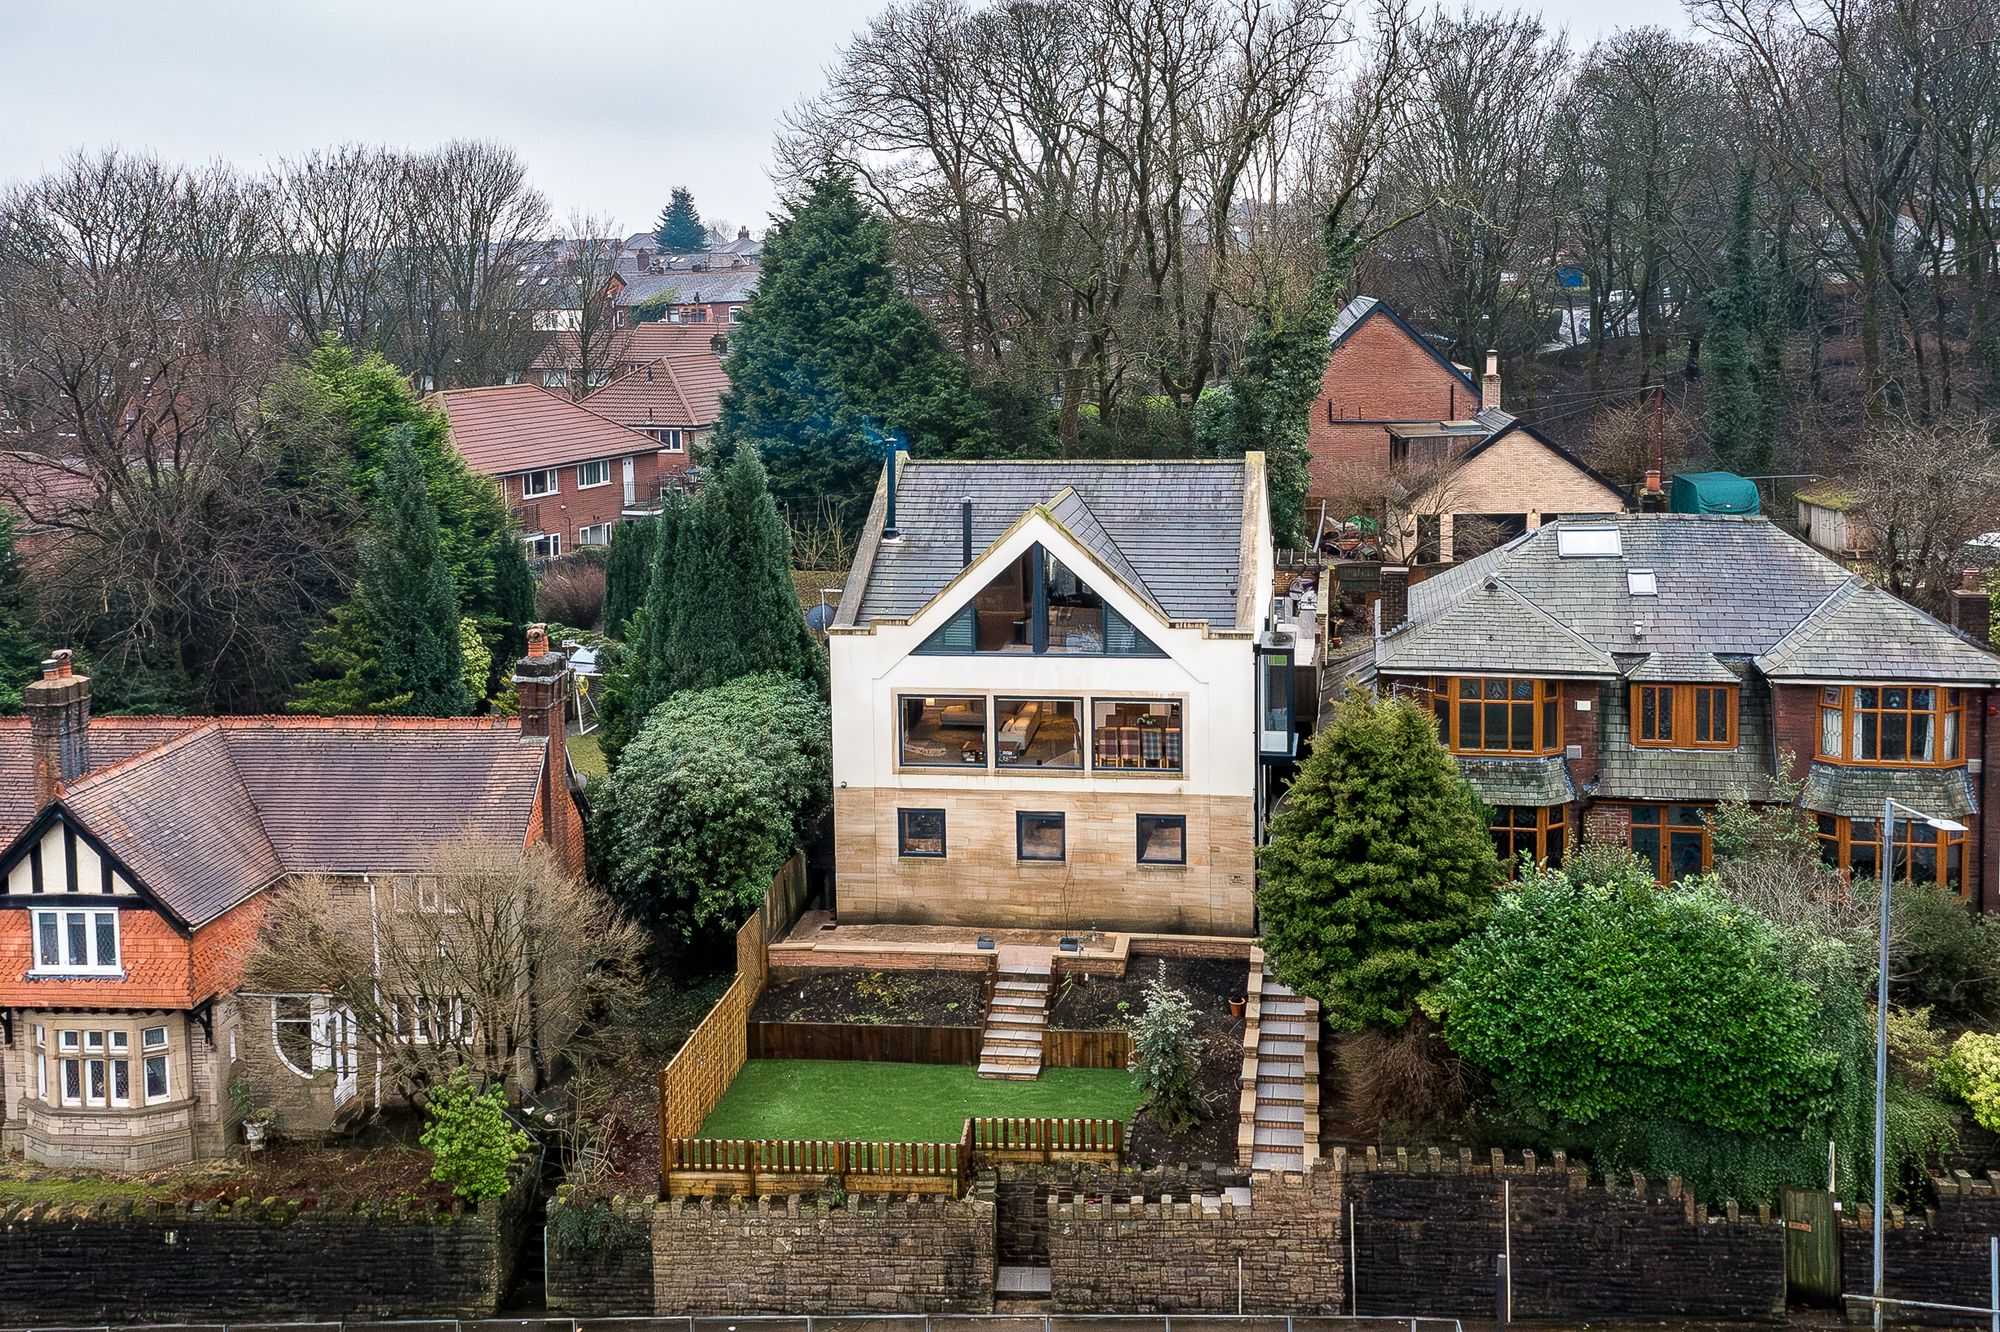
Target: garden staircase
x: 1017, y: 1016
x: 1279, y: 1105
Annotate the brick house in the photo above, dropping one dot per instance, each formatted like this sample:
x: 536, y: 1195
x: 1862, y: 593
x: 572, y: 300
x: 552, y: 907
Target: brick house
x: 1399, y: 425
x: 1621, y: 675
x: 675, y: 399
x: 559, y: 364
x: 709, y: 290
x: 569, y: 474
x: 137, y: 856
x: 1046, y: 697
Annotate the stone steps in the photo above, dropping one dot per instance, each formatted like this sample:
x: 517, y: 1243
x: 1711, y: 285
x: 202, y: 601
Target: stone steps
x: 1016, y: 1018
x: 1278, y: 1109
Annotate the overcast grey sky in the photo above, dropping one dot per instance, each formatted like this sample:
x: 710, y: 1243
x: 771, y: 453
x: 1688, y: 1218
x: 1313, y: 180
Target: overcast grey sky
x: 611, y: 103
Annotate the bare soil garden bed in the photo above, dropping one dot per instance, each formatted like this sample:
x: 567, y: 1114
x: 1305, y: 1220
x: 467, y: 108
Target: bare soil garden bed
x: 911, y: 998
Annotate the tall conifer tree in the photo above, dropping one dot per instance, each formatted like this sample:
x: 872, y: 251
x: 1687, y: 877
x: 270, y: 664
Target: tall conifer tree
x: 680, y: 230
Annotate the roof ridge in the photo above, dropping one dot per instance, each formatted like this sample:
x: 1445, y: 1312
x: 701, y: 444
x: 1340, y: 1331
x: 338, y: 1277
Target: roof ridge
x: 1827, y: 604
x: 96, y: 776
x: 298, y: 721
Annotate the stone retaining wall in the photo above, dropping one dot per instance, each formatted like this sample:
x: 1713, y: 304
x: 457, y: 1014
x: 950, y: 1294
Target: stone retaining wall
x: 1282, y: 1254
x: 1023, y: 1192
x: 1942, y: 1256
x: 1428, y: 1230
x: 195, y: 1262
x: 600, y: 1263
x: 799, y: 1256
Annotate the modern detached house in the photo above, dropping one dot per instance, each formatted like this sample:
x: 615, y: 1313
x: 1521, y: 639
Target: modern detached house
x: 137, y: 856
x: 1622, y: 675
x: 1046, y: 696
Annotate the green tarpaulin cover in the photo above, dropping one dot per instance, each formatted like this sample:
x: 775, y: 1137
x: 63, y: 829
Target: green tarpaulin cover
x: 1713, y: 492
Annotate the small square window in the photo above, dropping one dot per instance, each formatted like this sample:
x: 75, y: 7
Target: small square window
x: 1163, y: 839
x: 1039, y: 836
x: 920, y: 833
x: 536, y: 484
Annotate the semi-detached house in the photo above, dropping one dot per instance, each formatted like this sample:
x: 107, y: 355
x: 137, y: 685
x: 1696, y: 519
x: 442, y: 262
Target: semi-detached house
x: 1622, y: 675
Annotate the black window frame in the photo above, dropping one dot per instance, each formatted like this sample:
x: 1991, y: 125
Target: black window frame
x: 903, y: 851
x: 1139, y: 829
x: 1061, y: 817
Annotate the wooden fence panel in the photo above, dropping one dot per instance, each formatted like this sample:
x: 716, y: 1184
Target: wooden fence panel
x: 1086, y: 1049
x: 870, y: 1043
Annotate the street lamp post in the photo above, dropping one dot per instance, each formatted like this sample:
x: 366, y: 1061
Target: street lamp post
x: 1888, y: 859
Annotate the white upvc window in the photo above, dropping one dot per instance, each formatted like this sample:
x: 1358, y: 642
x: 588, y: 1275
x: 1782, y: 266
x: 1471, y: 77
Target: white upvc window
x: 596, y: 472
x: 543, y: 545
x: 153, y: 1045
x: 671, y: 441
x: 93, y: 1068
x: 534, y: 485
x: 596, y: 534
x: 555, y: 379
x: 75, y: 943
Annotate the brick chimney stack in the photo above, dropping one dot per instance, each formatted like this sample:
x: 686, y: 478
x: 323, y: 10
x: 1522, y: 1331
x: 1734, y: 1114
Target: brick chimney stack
x: 1489, y: 386
x: 58, y: 709
x: 1395, y: 595
x: 541, y: 680
x: 1971, y: 608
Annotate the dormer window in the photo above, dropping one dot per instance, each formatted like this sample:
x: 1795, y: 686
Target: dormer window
x: 1684, y: 716
x: 76, y: 943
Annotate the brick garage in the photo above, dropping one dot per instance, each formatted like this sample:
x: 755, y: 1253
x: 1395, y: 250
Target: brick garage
x: 795, y: 1256
x: 192, y: 1262
x: 1427, y: 1232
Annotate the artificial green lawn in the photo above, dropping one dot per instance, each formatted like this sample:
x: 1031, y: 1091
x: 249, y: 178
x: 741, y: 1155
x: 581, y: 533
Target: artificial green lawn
x: 828, y: 1098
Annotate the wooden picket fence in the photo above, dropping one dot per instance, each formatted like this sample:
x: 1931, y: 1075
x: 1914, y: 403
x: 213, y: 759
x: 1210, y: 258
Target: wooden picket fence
x: 716, y: 1167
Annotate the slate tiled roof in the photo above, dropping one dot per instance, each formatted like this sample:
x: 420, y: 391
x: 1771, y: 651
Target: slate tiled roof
x: 1728, y: 587
x: 1497, y: 626
x: 112, y: 740
x: 1857, y: 792
x: 709, y: 287
x: 1068, y: 509
x: 681, y: 391
x: 1682, y: 667
x: 520, y: 427
x: 1629, y: 772
x: 1536, y: 781
x: 1178, y: 524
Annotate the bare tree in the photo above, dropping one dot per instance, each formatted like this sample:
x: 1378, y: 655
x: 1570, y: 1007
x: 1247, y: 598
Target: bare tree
x: 336, y: 218
x: 492, y: 959
x: 585, y: 273
x: 1925, y: 490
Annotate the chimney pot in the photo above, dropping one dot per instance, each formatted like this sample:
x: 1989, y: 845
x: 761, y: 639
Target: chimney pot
x: 1973, y: 579
x: 57, y: 667
x: 1653, y: 479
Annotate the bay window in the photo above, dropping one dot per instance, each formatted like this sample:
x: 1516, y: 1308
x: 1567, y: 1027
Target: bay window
x: 1535, y: 829
x: 94, y: 1067
x: 1499, y: 716
x: 1923, y: 854
x: 1684, y: 716
x: 1908, y: 725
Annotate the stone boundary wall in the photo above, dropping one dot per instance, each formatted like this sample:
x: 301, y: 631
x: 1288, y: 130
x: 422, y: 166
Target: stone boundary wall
x: 1168, y: 1254
x: 1942, y: 1256
x: 801, y: 1256
x: 1024, y: 1190
x: 611, y: 1272
x: 276, y: 1259
x: 1427, y: 1232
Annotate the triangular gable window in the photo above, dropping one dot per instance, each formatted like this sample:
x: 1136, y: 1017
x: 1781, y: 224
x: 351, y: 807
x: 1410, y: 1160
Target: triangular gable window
x: 1039, y: 605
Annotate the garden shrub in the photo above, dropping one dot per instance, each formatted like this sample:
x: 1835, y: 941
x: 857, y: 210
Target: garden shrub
x: 1590, y: 1000
x: 470, y: 1138
x: 1166, y: 1057
x: 1405, y: 1075
x: 1378, y: 862
x: 1944, y: 955
x: 1971, y: 1072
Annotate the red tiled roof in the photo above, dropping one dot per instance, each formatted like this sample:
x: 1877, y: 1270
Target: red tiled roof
x: 636, y: 344
x: 521, y: 427
x: 670, y: 391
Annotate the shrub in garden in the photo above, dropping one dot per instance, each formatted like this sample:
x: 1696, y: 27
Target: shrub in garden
x: 572, y: 591
x: 1944, y: 954
x: 1378, y: 863
x: 470, y: 1138
x: 1971, y: 1072
x: 1405, y: 1075
x: 1166, y: 1057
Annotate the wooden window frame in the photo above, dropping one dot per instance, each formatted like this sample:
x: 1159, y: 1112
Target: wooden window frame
x: 1667, y: 827
x: 1683, y: 702
x: 1545, y: 700
x: 1837, y: 842
x: 1550, y: 820
x: 1947, y: 715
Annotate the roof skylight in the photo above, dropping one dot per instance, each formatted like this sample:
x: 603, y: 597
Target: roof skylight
x: 1574, y: 543
x: 1642, y: 583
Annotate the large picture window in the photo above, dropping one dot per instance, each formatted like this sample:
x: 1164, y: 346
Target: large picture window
x: 1037, y: 733
x: 1499, y: 716
x: 75, y: 943
x: 1905, y: 725
x: 1145, y: 735
x: 1039, y: 605
x: 1536, y: 829
x: 1684, y: 716
x: 944, y: 732
x: 1923, y: 854
x: 1673, y: 839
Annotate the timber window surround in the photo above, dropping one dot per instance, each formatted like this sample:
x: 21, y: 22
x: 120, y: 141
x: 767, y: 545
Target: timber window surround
x: 1040, y: 835
x: 1923, y: 854
x: 920, y: 833
x: 1162, y: 839
x: 75, y: 943
x: 1499, y: 715
x: 1538, y: 830
x: 1684, y: 716
x: 1673, y: 839
x: 1903, y: 725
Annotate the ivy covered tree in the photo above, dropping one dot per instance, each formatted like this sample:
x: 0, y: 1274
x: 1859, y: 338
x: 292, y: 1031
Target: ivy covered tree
x: 1741, y: 429
x: 395, y: 645
x: 1379, y: 862
x: 628, y: 570
x: 679, y: 230
x: 711, y: 797
x: 19, y: 658
x: 829, y: 346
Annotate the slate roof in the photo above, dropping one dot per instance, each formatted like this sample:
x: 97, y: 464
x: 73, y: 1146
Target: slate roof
x: 1178, y: 525
x: 1498, y: 627
x: 112, y: 740
x: 1629, y: 772
x: 1857, y: 792
x: 522, y: 427
x: 670, y: 391
x: 1068, y: 509
x: 710, y: 286
x: 1728, y: 587
x: 207, y: 811
x: 1504, y: 781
